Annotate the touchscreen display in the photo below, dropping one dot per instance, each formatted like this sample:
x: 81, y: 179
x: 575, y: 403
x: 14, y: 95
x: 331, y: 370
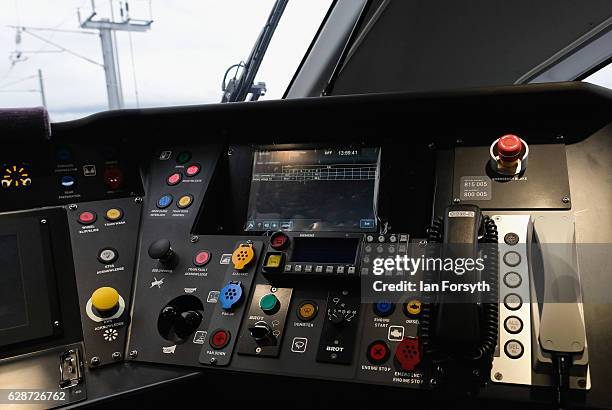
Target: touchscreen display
x: 314, y: 190
x: 13, y: 309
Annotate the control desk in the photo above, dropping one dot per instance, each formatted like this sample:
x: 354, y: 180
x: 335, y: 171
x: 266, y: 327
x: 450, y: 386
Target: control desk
x: 168, y: 252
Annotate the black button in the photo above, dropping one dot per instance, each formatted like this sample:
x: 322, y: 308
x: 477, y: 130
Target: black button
x: 511, y: 238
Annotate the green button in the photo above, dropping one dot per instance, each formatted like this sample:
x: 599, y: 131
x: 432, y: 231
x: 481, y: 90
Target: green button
x: 183, y: 157
x: 268, y: 303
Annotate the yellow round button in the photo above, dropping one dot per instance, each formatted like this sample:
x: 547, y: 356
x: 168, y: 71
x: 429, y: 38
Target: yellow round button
x: 413, y: 307
x: 114, y: 214
x: 185, y: 201
x: 307, y: 311
x: 105, y: 298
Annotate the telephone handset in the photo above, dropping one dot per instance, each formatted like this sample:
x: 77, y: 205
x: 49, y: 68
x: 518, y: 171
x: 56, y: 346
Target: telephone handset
x: 459, y: 330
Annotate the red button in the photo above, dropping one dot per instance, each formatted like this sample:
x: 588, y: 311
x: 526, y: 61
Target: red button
x: 378, y: 352
x: 201, y: 258
x: 193, y: 170
x: 408, y: 354
x: 87, y: 217
x: 279, y: 240
x: 174, y: 179
x: 509, y: 148
x: 219, y: 339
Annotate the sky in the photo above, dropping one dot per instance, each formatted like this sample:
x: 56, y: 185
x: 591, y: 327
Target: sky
x: 181, y: 60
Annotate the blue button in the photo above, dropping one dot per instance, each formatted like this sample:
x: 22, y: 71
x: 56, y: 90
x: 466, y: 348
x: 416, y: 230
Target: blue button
x: 383, y: 308
x: 67, y: 181
x: 164, y: 201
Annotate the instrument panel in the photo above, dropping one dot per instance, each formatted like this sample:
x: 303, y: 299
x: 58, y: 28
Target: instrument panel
x: 305, y: 255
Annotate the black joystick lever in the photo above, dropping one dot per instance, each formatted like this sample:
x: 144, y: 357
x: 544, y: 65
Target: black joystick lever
x: 162, y: 251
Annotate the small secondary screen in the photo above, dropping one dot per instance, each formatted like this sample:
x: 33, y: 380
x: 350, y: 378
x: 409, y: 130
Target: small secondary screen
x: 314, y: 190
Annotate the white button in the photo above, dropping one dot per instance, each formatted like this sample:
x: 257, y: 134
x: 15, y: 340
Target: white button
x: 512, y: 279
x: 512, y: 258
x: 319, y: 269
x: 513, y: 349
x: 297, y: 268
x: 513, y: 301
x: 340, y: 269
x: 107, y: 255
x: 308, y: 268
x: 513, y: 324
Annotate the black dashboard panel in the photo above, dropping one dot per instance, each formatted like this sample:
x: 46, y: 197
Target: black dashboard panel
x: 180, y: 275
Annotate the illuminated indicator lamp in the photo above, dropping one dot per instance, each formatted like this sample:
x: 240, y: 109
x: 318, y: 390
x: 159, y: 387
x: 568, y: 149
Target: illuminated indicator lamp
x: 15, y: 176
x: 114, y: 214
x: 174, y: 178
x: 273, y: 262
x: 87, y: 217
x: 307, y: 311
x: 113, y: 177
x: 192, y: 170
x: 378, y: 352
x: 384, y: 308
x: 183, y: 157
x: 185, y: 201
x: 508, y: 155
x: 164, y: 201
x: 67, y: 181
x: 279, y: 240
x: 201, y: 258
x: 413, y: 308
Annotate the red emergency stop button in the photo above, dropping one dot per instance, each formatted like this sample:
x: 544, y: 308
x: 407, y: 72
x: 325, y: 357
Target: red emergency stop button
x: 509, y: 148
x: 378, y: 352
x: 201, y: 258
x: 219, y: 339
x: 174, y: 178
x: 192, y: 170
x: 87, y: 217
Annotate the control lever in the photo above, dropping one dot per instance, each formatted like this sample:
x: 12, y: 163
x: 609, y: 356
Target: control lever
x: 162, y: 251
x: 561, y: 334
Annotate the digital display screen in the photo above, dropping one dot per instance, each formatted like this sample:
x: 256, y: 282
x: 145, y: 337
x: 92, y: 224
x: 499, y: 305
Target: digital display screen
x: 13, y: 308
x: 314, y: 190
x: 325, y: 250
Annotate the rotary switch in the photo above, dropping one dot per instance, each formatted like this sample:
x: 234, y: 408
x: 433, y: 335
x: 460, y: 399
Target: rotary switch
x: 162, y: 251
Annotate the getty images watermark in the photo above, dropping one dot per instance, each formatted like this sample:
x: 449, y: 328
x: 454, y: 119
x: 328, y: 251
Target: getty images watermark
x: 410, y: 265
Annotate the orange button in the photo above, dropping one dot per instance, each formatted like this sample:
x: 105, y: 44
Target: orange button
x: 307, y: 311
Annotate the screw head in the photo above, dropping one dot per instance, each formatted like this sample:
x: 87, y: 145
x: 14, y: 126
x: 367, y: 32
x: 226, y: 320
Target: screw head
x: 116, y: 355
x: 565, y: 200
x: 56, y: 323
x: 73, y: 207
x: 138, y: 200
x: 456, y: 200
x: 133, y: 354
x: 582, y: 383
x: 498, y: 376
x: 95, y: 361
x: 194, y: 238
x: 213, y: 360
x: 43, y: 221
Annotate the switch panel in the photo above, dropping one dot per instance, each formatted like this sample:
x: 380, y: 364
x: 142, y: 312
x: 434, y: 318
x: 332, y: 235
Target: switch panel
x: 264, y: 327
